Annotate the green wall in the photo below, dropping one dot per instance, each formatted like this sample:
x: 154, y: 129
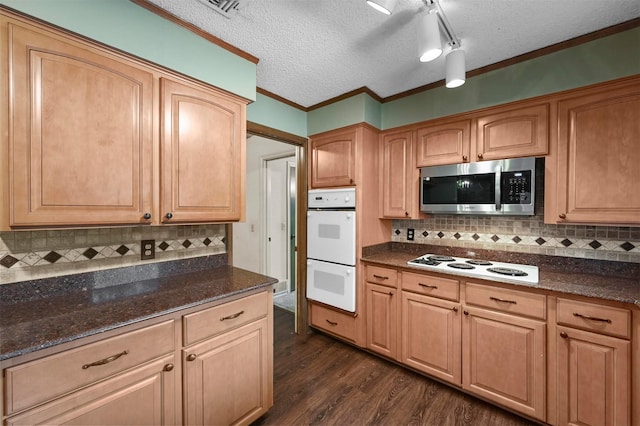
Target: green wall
x: 277, y: 115
x: 129, y: 27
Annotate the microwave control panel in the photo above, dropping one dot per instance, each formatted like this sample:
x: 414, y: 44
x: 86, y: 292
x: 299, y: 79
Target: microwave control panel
x: 516, y: 187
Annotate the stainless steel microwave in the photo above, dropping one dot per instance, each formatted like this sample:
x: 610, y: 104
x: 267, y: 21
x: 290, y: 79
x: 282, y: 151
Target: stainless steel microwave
x: 501, y: 187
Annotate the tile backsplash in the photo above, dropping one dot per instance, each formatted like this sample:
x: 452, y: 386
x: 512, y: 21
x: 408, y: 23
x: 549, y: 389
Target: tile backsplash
x: 28, y: 255
x: 526, y: 234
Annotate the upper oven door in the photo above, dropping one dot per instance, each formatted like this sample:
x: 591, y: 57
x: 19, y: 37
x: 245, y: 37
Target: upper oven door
x: 331, y: 236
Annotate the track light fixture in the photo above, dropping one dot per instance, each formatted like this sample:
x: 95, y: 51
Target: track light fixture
x: 384, y: 6
x: 429, y: 43
x: 455, y: 69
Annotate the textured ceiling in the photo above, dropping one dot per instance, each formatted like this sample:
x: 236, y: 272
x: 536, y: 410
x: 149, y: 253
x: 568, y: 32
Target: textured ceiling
x: 314, y: 50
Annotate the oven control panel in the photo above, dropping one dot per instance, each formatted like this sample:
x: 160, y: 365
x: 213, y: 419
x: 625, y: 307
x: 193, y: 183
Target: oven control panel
x: 332, y: 198
x: 516, y: 187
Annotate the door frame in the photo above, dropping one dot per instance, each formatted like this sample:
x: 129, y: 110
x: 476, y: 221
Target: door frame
x: 302, y: 143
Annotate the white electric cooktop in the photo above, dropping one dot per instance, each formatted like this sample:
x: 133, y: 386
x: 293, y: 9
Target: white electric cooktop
x: 478, y: 268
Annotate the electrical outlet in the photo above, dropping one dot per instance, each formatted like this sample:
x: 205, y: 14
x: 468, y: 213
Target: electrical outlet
x: 148, y: 249
x: 410, y: 234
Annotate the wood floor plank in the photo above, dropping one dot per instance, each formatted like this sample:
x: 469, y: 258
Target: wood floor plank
x: 321, y: 381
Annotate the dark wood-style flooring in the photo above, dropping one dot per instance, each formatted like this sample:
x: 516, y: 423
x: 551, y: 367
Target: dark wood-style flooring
x: 321, y: 381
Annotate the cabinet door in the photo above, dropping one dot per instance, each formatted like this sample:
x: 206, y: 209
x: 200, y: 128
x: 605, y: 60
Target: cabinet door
x: 431, y: 336
x: 229, y: 379
x: 399, y: 176
x: 503, y: 360
x: 382, y: 319
x: 593, y: 379
x: 446, y: 143
x: 202, y: 155
x: 145, y: 395
x: 508, y: 133
x: 333, y: 159
x: 80, y: 134
x: 598, y: 157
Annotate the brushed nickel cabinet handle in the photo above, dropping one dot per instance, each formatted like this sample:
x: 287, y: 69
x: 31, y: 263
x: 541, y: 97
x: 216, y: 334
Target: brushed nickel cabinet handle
x: 587, y: 317
x: 168, y: 367
x: 332, y: 323
x: 191, y: 357
x: 107, y: 360
x: 380, y: 277
x: 147, y: 216
x: 428, y: 285
x: 502, y: 300
x: 564, y: 334
x: 236, y: 315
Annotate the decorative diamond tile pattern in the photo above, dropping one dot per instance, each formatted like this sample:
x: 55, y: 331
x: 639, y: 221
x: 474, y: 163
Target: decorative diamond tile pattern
x: 566, y: 242
x: 440, y: 234
x: 425, y: 234
x: 457, y: 236
x: 540, y: 241
x: 475, y: 237
x: 8, y: 261
x: 495, y: 238
x: 398, y: 232
x: 595, y: 244
x: 627, y: 246
x: 98, y: 253
x: 516, y: 239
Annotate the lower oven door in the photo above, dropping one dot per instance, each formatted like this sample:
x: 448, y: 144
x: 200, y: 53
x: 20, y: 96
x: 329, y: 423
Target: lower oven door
x: 332, y: 284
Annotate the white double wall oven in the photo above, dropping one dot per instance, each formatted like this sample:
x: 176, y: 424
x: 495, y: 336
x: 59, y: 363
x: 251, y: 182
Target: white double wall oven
x: 331, y: 247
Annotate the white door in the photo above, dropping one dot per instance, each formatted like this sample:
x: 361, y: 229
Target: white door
x: 277, y: 220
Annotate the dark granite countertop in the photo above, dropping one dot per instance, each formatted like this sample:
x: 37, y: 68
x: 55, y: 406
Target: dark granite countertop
x: 615, y: 281
x: 32, y: 323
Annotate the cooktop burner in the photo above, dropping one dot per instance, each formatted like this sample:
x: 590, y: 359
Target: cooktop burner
x: 477, y: 268
x: 426, y: 261
x: 479, y: 262
x: 508, y: 271
x: 440, y: 258
x: 460, y: 266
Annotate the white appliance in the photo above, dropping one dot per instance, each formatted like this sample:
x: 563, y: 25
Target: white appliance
x: 331, y: 247
x: 478, y: 268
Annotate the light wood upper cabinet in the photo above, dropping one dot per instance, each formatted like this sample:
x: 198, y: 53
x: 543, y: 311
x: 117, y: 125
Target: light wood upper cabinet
x: 400, y: 197
x: 446, y: 143
x: 88, y: 127
x: 80, y: 133
x: 509, y: 132
x: 333, y: 160
x: 202, y: 161
x: 597, y: 172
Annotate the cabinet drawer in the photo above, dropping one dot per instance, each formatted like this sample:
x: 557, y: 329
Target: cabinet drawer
x: 44, y: 379
x: 335, y: 322
x: 209, y: 322
x: 444, y: 288
x: 382, y: 276
x: 594, y: 317
x: 507, y: 300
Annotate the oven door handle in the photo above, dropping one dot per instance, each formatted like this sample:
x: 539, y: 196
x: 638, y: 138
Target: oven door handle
x: 498, y: 187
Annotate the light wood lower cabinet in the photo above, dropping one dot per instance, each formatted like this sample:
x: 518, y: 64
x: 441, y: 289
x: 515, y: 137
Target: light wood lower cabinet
x: 145, y: 395
x: 222, y: 375
x: 227, y: 379
x: 382, y: 319
x: 593, y: 364
x: 431, y: 336
x: 504, y: 359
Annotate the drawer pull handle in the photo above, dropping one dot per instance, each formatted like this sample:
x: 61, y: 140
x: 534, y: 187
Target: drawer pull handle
x: 236, y: 315
x: 587, y: 317
x: 107, y: 360
x: 191, y: 357
x: 332, y: 323
x: 502, y: 300
x: 168, y: 367
x: 564, y: 334
x: 380, y: 277
x: 455, y: 309
x: 428, y: 285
